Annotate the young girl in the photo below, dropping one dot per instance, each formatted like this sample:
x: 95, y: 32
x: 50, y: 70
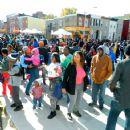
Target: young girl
x: 37, y: 91
x: 54, y: 75
x: 35, y: 57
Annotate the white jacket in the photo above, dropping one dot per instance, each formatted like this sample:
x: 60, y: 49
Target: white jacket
x: 15, y: 80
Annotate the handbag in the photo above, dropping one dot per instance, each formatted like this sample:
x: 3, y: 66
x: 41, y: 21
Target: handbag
x: 57, y: 92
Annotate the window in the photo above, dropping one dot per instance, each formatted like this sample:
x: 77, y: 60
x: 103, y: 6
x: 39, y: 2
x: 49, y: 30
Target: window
x: 96, y: 22
x: 80, y: 21
x: 99, y: 22
x: 93, y: 22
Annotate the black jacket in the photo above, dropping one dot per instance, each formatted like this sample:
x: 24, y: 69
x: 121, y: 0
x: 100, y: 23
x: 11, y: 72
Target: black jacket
x: 43, y: 51
x: 69, y: 80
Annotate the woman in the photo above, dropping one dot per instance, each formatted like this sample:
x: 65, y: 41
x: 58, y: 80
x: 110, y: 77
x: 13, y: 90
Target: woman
x: 75, y: 83
x: 54, y: 75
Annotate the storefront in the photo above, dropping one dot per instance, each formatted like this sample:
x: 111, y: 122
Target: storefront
x: 82, y: 32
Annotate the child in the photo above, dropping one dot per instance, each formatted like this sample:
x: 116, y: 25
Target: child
x: 35, y: 57
x: 37, y: 91
x: 15, y: 80
x: 54, y: 75
x: 5, y: 74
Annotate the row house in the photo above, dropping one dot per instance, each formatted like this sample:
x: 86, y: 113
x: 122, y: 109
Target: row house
x: 78, y: 24
x: 15, y: 23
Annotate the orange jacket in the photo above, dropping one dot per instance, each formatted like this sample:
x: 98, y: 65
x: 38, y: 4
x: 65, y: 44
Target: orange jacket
x: 101, y: 68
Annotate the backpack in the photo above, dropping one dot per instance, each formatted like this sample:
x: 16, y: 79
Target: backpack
x: 20, y: 73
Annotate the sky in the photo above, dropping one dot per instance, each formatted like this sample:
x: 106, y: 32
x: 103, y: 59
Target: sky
x: 97, y: 7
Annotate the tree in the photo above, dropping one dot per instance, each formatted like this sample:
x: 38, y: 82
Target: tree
x: 49, y: 16
x: 67, y: 11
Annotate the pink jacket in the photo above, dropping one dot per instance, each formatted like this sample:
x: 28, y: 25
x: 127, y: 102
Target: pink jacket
x: 35, y: 57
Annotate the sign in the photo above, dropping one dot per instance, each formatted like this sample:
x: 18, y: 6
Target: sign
x: 75, y: 28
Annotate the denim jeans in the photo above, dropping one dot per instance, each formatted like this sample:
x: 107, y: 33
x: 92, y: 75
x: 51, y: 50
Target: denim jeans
x: 37, y: 101
x: 121, y: 55
x: 114, y: 113
x: 75, y: 100
x: 34, y: 74
x: 98, y: 88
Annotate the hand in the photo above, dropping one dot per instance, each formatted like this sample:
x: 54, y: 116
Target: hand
x: 63, y: 90
x: 30, y: 66
x: 111, y: 88
x: 89, y: 86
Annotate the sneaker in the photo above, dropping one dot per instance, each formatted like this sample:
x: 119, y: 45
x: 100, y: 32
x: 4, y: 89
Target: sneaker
x: 13, y: 105
x: 27, y: 94
x: 92, y: 104
x: 18, y: 108
x: 69, y: 116
x: 101, y: 107
x: 34, y: 107
x: 57, y: 107
x: 77, y: 113
x: 52, y: 115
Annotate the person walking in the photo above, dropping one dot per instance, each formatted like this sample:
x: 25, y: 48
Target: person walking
x: 54, y: 75
x: 101, y: 70
x: 30, y: 69
x: 15, y: 80
x: 75, y: 82
x: 37, y: 92
x: 5, y: 73
x: 120, y: 86
x: 65, y: 59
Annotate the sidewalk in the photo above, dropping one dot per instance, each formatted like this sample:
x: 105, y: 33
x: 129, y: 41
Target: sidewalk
x: 92, y: 118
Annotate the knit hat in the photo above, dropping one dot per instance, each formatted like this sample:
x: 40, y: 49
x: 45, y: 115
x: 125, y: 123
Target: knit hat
x: 24, y: 48
x: 13, y: 56
x: 127, y: 50
x: 40, y: 81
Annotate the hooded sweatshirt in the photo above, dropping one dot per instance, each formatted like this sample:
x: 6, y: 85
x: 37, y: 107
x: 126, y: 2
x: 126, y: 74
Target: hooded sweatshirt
x: 35, y: 57
x: 101, y: 68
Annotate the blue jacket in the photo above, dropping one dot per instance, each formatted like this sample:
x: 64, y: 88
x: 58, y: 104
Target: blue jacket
x: 112, y: 55
x: 35, y: 44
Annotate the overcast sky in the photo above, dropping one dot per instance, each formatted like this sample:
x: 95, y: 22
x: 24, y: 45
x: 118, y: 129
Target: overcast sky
x: 103, y: 7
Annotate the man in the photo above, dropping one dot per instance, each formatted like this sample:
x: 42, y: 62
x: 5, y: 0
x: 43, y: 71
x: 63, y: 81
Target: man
x: 43, y: 52
x: 30, y: 69
x: 15, y: 80
x: 10, y: 49
x: 101, y: 70
x: 65, y: 58
x: 120, y: 86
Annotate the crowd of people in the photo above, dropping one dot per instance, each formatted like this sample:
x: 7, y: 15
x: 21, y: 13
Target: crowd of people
x: 71, y: 66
